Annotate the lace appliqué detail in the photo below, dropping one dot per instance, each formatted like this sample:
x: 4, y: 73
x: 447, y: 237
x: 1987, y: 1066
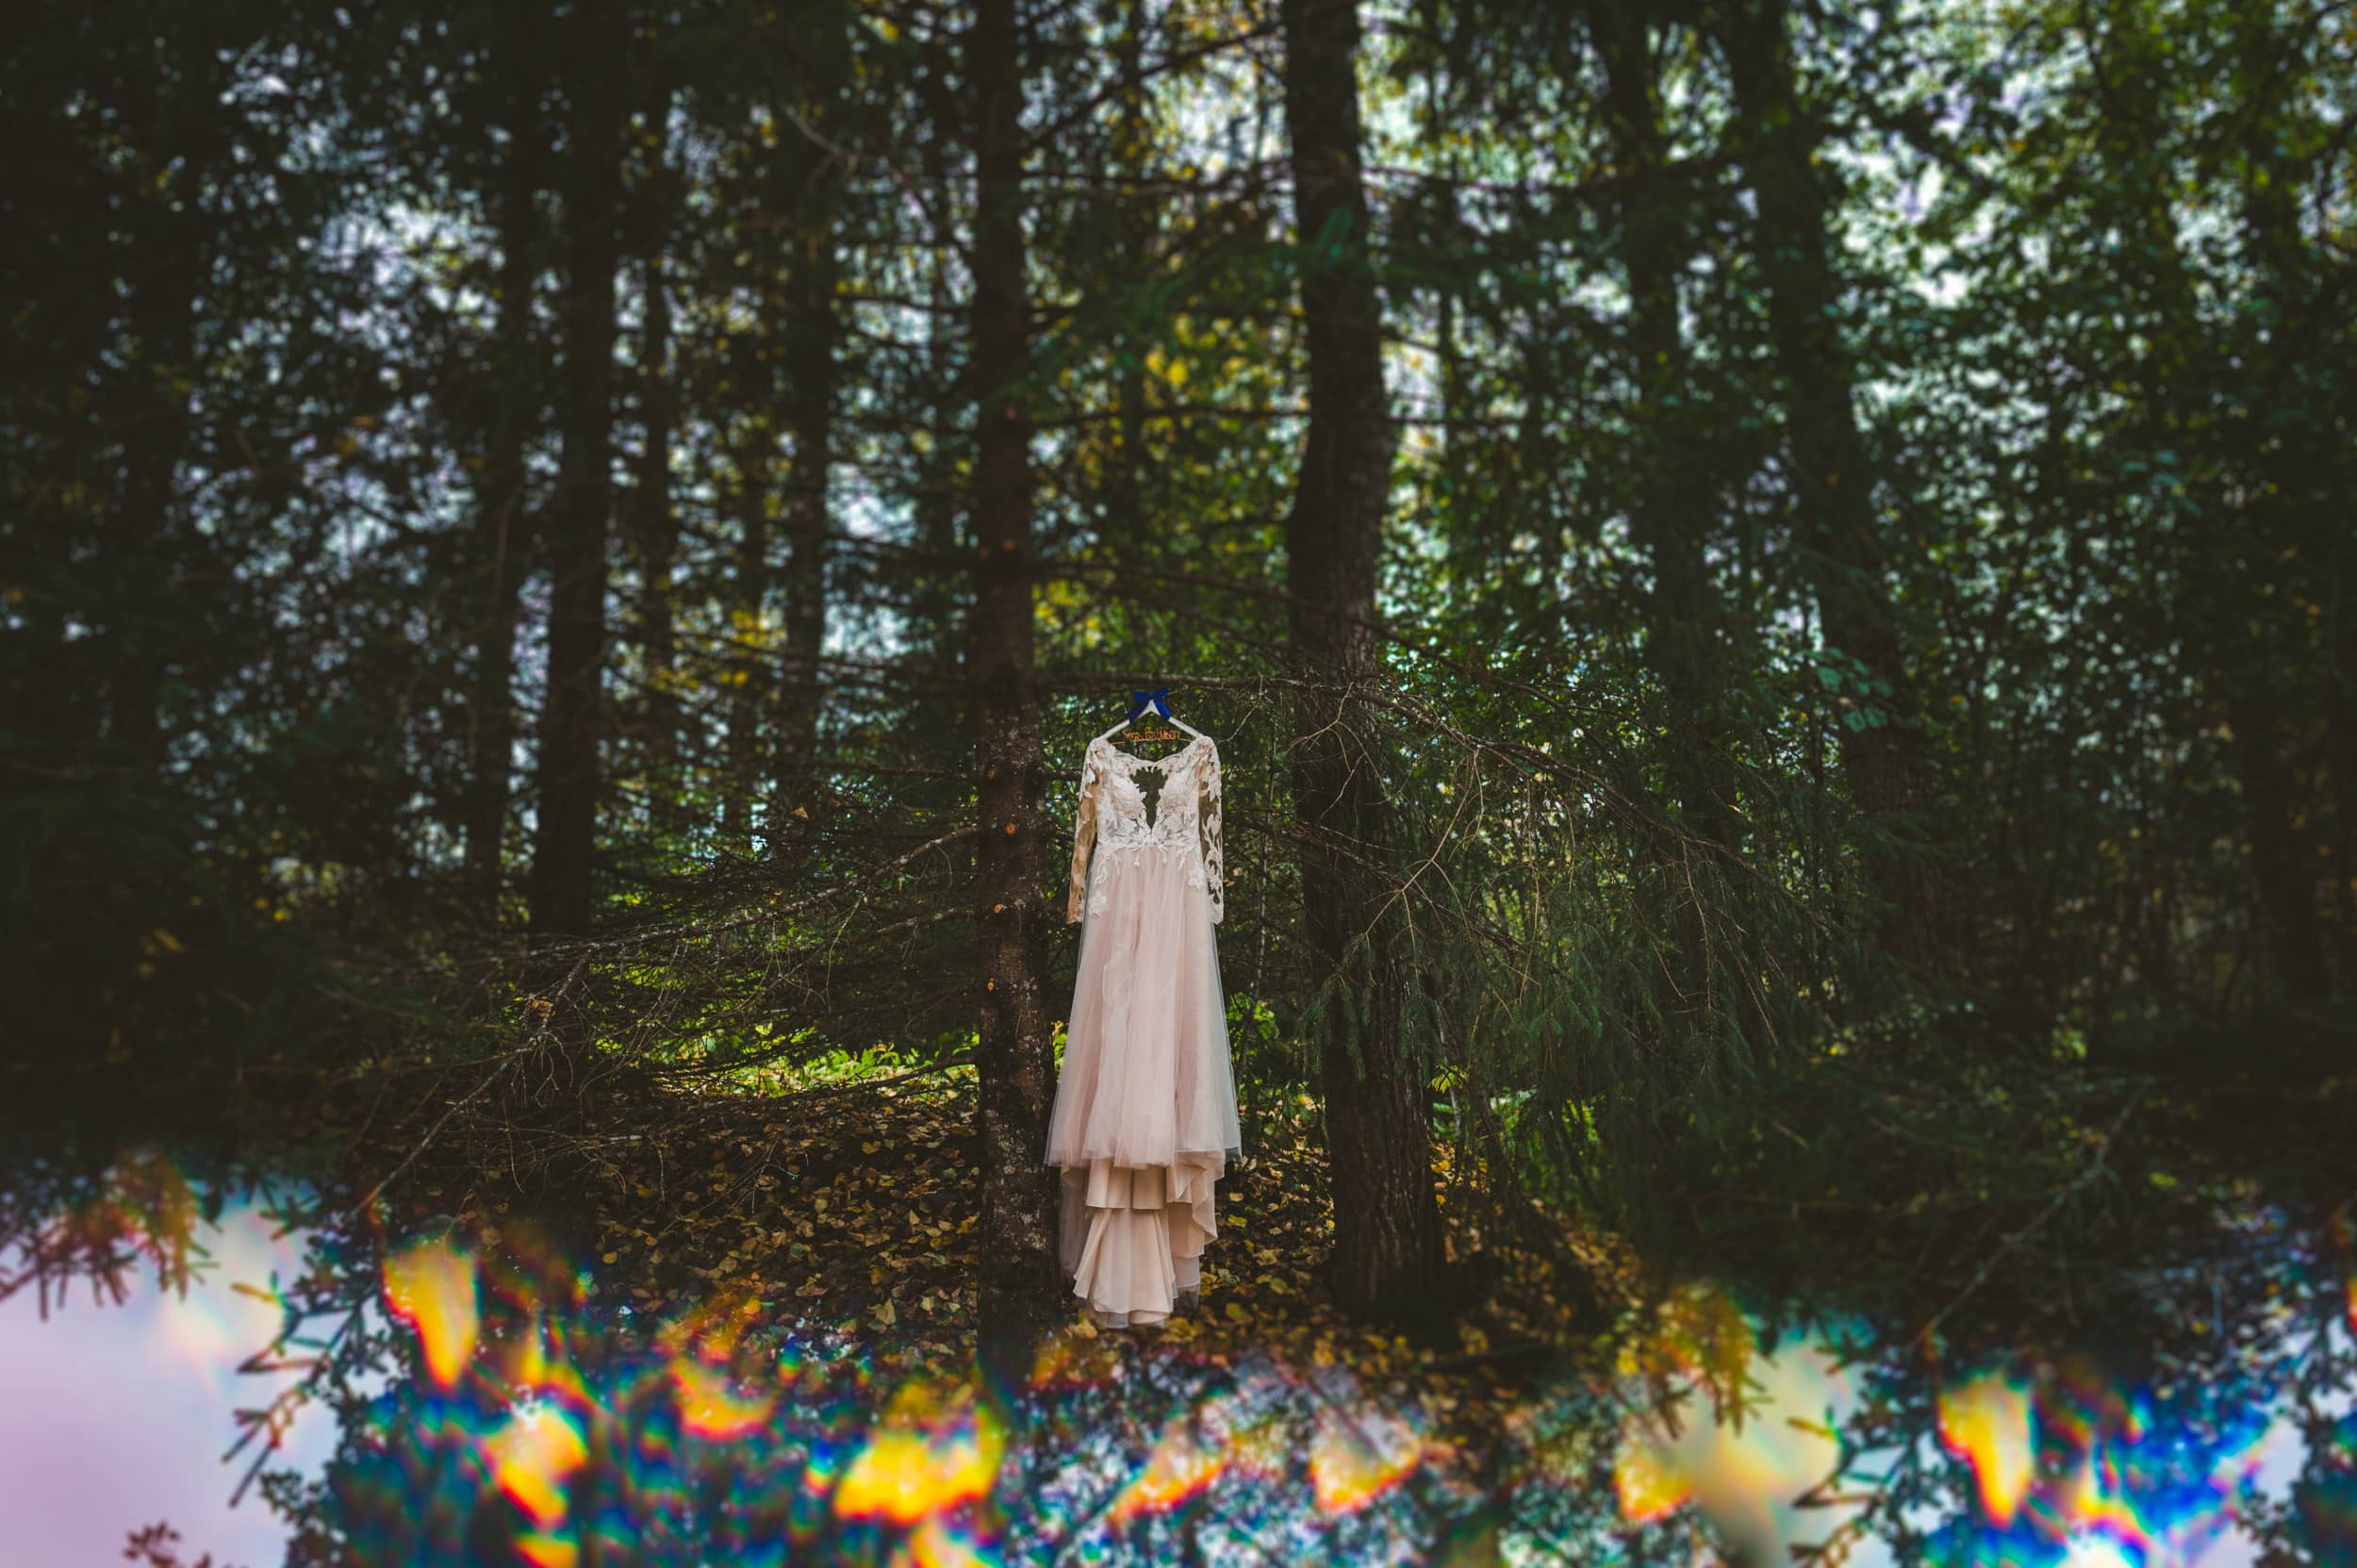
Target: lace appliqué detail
x: 1083, y: 835
x: 1212, y: 847
x: 1113, y: 815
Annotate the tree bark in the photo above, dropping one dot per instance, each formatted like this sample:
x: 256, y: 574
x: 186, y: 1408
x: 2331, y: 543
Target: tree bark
x: 657, y: 523
x: 571, y: 721
x: 1126, y: 536
x: 1672, y: 509
x: 755, y: 473
x: 2286, y: 862
x: 936, y: 594
x: 2283, y: 869
x: 2341, y: 726
x: 813, y: 338
x: 166, y: 267
x: 503, y: 533
x: 2243, y: 516
x: 1832, y: 480
x: 1013, y: 1057
x: 1386, y: 1234
x: 141, y: 533
x: 1670, y: 506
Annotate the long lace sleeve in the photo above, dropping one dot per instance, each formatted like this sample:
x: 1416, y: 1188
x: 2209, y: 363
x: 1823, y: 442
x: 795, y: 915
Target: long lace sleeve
x: 1083, y: 837
x: 1214, y: 866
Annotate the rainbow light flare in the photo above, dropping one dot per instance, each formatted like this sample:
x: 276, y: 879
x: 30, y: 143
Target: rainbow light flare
x: 431, y: 1286
x: 933, y: 1451
x: 547, y: 1551
x: 533, y: 1455
x: 1989, y: 1423
x: 1357, y: 1456
x: 2098, y: 1506
x: 938, y: 1544
x: 711, y: 1406
x: 760, y: 1442
x: 1649, y: 1484
x: 546, y: 1368
x: 1179, y: 1467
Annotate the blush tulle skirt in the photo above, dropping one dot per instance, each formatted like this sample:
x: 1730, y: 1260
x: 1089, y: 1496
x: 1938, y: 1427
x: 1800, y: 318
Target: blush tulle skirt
x: 1145, y: 1119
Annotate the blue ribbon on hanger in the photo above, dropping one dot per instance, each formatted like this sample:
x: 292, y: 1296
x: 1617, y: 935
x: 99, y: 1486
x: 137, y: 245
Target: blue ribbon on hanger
x: 1158, y: 699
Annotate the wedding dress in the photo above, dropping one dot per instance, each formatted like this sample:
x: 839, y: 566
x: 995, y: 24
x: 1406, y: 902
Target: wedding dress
x: 1145, y: 1119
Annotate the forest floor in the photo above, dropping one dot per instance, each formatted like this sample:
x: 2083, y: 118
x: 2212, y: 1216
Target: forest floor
x: 852, y: 1208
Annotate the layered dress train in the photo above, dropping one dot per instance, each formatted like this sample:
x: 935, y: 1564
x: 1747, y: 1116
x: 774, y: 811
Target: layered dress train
x: 1145, y: 1117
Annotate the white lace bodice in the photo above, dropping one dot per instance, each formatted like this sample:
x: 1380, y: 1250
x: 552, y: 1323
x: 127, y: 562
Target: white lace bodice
x: 1114, y: 817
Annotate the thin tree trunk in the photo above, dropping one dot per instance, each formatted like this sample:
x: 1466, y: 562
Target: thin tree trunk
x: 1012, y: 1055
x: 2341, y: 631
x: 1670, y: 509
x: 2283, y: 869
x: 934, y: 599
x: 1832, y: 479
x: 141, y: 535
x: 166, y: 269
x: 2243, y: 523
x: 755, y: 474
x: 571, y: 726
x: 1125, y: 485
x: 2286, y: 862
x: 502, y: 533
x: 1386, y: 1234
x: 813, y: 337
x: 657, y: 522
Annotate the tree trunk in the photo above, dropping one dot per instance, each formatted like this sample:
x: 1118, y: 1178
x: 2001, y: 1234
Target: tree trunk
x: 1883, y: 753
x: 1386, y: 1234
x: 1672, y: 508
x: 141, y: 536
x: 570, y: 724
x: 166, y: 268
x: 935, y: 603
x: 2283, y: 869
x: 2281, y: 517
x: 657, y: 525
x: 813, y: 333
x: 1013, y: 1057
x: 503, y: 534
x: 1127, y: 533
x: 2342, y: 731
x: 2244, y: 517
x: 755, y: 471
x: 1672, y: 504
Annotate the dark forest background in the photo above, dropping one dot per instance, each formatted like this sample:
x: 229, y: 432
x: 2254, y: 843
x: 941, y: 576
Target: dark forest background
x: 1774, y: 581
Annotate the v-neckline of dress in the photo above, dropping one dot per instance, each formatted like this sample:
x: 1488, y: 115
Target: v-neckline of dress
x: 1129, y: 760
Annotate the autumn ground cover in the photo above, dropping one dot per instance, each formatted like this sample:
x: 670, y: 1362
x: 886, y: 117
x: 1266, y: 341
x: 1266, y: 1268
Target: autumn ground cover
x: 853, y: 1205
